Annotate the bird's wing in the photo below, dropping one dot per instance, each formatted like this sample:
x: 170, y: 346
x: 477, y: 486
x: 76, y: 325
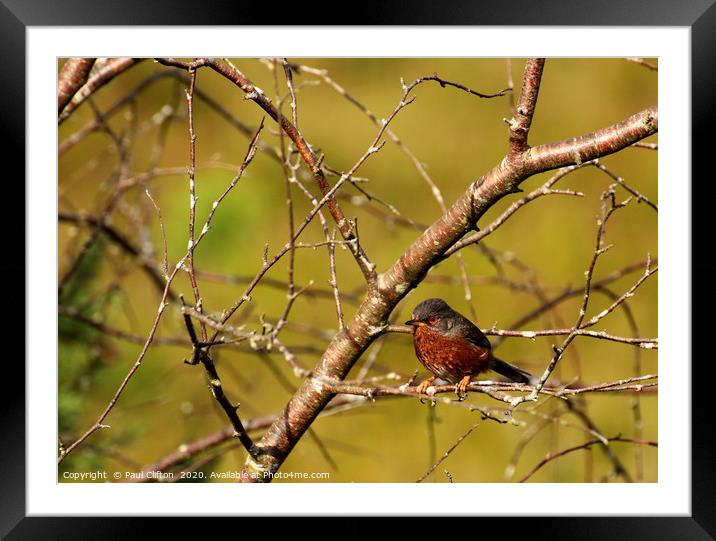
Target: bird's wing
x: 475, y: 336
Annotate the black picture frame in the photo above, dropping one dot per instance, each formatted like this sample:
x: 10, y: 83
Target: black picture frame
x: 699, y: 15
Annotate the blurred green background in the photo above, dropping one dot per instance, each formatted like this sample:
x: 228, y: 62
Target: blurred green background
x: 458, y: 137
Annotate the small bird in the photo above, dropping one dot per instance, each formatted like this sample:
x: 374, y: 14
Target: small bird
x: 453, y: 349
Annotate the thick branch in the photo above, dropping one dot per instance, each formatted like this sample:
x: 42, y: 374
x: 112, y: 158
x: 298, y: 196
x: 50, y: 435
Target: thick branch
x: 520, y: 124
x: 106, y: 73
x: 73, y: 75
x: 596, y: 144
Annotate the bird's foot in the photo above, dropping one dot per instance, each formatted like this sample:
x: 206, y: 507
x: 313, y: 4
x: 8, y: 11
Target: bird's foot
x: 423, y: 387
x: 461, y: 388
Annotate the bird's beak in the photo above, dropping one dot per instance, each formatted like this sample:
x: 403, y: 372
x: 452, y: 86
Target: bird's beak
x: 415, y: 323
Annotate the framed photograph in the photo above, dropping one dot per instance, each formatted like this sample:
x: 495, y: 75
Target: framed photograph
x: 419, y: 269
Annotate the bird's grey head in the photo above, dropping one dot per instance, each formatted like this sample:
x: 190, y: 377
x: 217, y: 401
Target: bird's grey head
x: 433, y: 313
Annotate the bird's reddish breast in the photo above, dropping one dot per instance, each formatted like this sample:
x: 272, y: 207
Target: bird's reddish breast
x: 449, y: 358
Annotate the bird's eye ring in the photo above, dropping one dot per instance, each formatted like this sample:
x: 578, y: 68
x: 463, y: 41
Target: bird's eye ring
x: 433, y: 320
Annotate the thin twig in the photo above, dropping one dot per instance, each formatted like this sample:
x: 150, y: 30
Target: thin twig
x: 200, y: 355
x: 192, y: 199
x: 447, y: 453
x: 552, y: 456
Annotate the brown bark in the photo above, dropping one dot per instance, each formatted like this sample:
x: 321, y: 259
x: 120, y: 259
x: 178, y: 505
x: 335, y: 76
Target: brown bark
x: 103, y: 75
x: 72, y: 76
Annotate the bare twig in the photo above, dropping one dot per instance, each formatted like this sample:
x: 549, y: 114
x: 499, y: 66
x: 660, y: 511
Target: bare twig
x: 200, y: 355
x: 619, y: 180
x: 192, y: 198
x: 491, y: 388
x: 609, y: 206
x: 447, y: 453
x: 545, y: 189
x: 552, y: 456
x: 99, y: 423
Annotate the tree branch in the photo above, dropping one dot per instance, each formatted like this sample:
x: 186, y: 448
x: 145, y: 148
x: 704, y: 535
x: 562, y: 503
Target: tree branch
x: 106, y: 73
x: 521, y: 122
x: 552, y: 456
x: 73, y: 75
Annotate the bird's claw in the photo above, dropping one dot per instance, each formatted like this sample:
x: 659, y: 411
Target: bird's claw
x: 423, y: 387
x: 461, y: 388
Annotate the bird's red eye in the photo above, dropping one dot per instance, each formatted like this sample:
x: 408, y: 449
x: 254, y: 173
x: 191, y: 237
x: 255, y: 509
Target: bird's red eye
x: 433, y: 320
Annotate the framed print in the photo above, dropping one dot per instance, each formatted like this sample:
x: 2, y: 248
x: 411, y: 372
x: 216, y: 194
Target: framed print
x: 416, y: 267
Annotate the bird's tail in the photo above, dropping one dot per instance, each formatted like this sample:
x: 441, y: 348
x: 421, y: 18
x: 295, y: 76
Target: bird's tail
x: 512, y: 372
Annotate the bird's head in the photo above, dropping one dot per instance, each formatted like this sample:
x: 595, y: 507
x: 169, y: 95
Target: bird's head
x: 434, y: 313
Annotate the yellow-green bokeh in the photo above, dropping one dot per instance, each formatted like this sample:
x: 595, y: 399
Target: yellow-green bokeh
x: 458, y: 137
